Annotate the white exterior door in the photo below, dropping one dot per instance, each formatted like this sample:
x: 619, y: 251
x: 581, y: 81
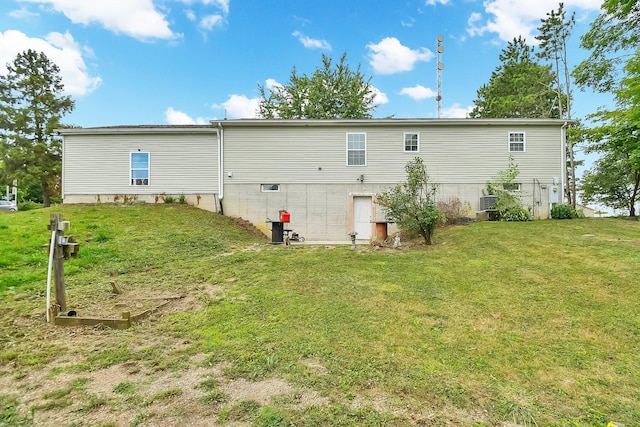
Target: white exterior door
x: 362, y: 206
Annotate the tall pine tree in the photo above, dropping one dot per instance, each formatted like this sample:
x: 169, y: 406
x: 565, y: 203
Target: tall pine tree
x: 519, y: 88
x: 555, y: 31
x: 31, y: 107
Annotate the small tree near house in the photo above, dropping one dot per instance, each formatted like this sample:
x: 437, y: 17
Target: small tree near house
x: 509, y: 202
x: 412, y: 204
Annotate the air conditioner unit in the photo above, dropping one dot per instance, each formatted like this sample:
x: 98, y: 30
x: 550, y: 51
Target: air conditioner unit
x: 488, y: 203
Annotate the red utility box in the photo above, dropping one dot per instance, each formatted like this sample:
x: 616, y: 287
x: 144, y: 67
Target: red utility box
x: 285, y: 216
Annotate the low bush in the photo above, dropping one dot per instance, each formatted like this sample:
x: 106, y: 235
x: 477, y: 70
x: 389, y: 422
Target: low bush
x: 29, y: 205
x: 565, y: 212
x: 514, y: 213
x: 454, y: 210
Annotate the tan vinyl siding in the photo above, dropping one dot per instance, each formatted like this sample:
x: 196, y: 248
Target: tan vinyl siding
x: 453, y: 154
x: 179, y: 163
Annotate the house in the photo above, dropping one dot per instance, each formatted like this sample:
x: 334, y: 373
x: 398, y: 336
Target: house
x: 326, y: 173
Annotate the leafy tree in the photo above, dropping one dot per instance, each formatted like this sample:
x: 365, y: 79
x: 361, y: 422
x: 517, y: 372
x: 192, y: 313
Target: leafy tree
x: 412, y: 204
x: 614, y: 66
x: 519, y: 88
x: 509, y: 201
x: 612, y: 39
x: 555, y: 31
x: 613, y: 181
x: 331, y: 92
x: 31, y: 106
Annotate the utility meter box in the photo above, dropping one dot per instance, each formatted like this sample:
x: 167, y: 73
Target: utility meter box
x: 554, y: 194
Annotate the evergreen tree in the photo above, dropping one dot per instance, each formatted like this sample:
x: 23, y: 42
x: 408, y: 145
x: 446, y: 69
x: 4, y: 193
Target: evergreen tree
x: 519, y: 88
x: 555, y: 31
x: 31, y: 107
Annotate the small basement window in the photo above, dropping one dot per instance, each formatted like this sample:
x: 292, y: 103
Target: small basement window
x: 139, y: 168
x: 270, y: 188
x: 511, y: 187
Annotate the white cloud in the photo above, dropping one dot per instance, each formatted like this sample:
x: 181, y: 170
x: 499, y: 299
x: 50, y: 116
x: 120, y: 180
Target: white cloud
x: 175, y: 117
x: 222, y: 4
x: 389, y: 56
x: 207, y: 21
x: 310, y: 43
x: 379, y: 98
x: 239, y: 107
x: 513, y: 18
x: 210, y: 21
x: 61, y: 49
x: 456, y: 111
x: 434, y: 2
x: 418, y: 92
x: 135, y: 18
x: 22, y: 13
x: 272, y: 83
x: 408, y: 23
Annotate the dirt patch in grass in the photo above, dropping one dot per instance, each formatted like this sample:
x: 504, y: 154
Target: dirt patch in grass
x: 100, y: 376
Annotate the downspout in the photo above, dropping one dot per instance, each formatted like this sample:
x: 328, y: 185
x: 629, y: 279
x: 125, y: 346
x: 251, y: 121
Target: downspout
x: 563, y: 157
x: 220, y: 166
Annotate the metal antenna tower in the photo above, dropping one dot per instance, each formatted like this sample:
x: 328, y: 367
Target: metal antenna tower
x: 440, y: 66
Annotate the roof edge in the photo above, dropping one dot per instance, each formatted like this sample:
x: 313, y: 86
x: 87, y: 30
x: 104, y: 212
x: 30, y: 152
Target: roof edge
x: 387, y: 122
x: 134, y: 129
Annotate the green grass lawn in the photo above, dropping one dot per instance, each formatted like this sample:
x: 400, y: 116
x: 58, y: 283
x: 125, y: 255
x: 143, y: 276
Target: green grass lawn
x: 532, y: 323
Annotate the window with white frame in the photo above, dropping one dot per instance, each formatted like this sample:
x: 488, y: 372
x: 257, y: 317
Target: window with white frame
x: 270, y: 188
x: 356, y: 149
x: 514, y: 186
x: 516, y: 142
x: 139, y: 168
x: 411, y: 142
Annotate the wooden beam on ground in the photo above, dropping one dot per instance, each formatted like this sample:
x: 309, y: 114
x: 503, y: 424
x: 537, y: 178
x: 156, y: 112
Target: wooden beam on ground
x: 124, y: 323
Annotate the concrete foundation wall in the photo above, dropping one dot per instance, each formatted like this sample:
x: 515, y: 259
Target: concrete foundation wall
x: 325, y: 211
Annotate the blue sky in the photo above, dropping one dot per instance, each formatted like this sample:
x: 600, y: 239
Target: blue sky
x: 189, y: 61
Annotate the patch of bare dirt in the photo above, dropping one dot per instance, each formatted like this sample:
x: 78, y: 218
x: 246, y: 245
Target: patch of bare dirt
x: 74, y: 390
x: 260, y: 391
x: 315, y: 365
x: 68, y: 391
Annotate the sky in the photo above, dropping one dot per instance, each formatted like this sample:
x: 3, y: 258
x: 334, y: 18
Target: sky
x: 131, y: 62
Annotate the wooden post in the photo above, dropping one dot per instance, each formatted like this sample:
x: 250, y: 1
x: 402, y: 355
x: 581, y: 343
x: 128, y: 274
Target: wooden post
x: 58, y: 263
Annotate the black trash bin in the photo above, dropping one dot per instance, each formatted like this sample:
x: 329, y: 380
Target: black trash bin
x: 277, y: 232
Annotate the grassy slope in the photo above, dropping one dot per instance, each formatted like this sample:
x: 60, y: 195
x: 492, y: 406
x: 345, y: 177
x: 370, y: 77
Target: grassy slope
x: 498, y: 322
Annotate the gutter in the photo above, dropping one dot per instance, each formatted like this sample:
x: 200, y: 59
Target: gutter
x: 389, y: 122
